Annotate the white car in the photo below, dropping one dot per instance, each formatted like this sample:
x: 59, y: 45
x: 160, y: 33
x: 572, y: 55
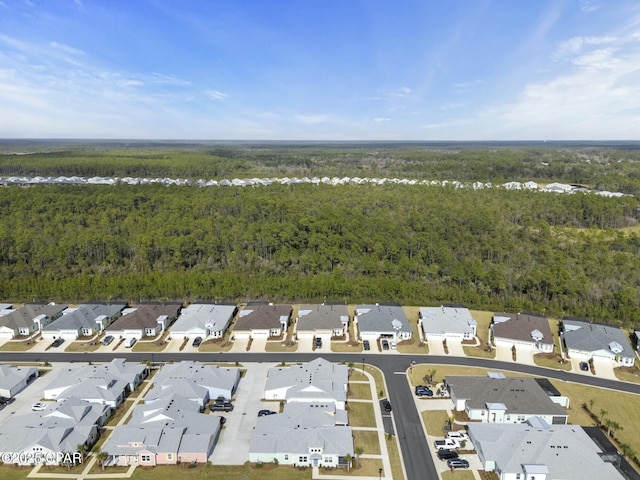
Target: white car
x: 459, y: 436
x: 394, y: 345
x: 38, y: 407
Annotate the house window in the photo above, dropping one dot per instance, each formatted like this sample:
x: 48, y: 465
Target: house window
x: 517, y: 476
x: 328, y: 460
x: 145, y: 458
x: 302, y: 459
x: 169, y: 456
x: 521, y: 418
x: 286, y: 456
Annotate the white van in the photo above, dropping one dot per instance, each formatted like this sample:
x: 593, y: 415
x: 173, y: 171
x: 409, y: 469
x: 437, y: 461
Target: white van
x: 130, y: 342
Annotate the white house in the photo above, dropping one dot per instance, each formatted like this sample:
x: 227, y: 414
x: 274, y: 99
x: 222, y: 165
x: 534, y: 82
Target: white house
x: 382, y: 321
x: 82, y: 321
x: 203, y: 320
x: 447, y: 323
x: 14, y: 379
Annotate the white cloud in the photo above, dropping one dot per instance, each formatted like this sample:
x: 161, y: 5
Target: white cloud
x: 216, y: 94
x: 381, y: 119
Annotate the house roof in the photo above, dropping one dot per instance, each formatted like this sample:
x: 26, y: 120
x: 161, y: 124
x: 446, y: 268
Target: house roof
x: 591, y: 337
x: 67, y: 413
x: 10, y: 375
x: 523, y: 327
x: 520, y: 395
x: 333, y: 440
x: 321, y: 317
x: 23, y: 317
x: 440, y: 320
x: 84, y: 316
x: 313, y: 379
x: 303, y: 415
x: 204, y: 316
x: 382, y: 318
x: 565, y: 451
x: 260, y: 317
x: 145, y: 316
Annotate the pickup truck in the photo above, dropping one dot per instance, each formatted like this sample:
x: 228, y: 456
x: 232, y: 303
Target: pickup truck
x: 446, y: 443
x: 221, y: 407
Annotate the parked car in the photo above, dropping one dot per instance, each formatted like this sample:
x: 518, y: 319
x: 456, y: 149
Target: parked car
x: 422, y: 391
x: 459, y: 436
x: 366, y: 344
x: 221, y: 407
x: 107, y: 340
x: 264, y: 413
x: 394, y: 345
x: 446, y: 444
x: 197, y: 341
x: 457, y: 463
x: 38, y: 407
x: 318, y: 342
x: 130, y: 342
x: 584, y: 366
x: 447, y: 454
x: 57, y: 342
x: 6, y: 400
x: 386, y: 404
x: 385, y: 345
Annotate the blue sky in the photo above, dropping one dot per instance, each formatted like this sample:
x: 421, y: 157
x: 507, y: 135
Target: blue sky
x: 320, y: 70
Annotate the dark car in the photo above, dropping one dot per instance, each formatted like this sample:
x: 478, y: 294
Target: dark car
x: 584, y: 366
x: 264, y: 413
x: 457, y: 463
x: 107, y: 340
x: 197, y: 341
x: 318, y: 342
x: 386, y: 405
x: 446, y: 454
x: 385, y: 345
x: 366, y: 344
x: 221, y: 407
x: 57, y: 342
x: 422, y: 391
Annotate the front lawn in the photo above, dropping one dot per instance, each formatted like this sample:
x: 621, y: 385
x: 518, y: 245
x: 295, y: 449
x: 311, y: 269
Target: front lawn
x: 361, y: 414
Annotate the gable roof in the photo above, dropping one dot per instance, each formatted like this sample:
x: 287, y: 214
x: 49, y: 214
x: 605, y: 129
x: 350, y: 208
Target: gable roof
x: 145, y: 316
x: 84, y: 316
x: 213, y: 317
x: 520, y: 395
x: 591, y: 337
x: 439, y: 320
x: 315, y: 317
x: 257, y: 317
x: 523, y: 327
x: 11, y: 375
x: 23, y: 317
x: 333, y: 440
x: 382, y: 318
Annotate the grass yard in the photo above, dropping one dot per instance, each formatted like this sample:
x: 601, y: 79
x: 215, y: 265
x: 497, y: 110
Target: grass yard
x: 217, y: 345
x: 16, y: 346
x: 434, y: 421
x: 377, y: 376
x: 361, y: 414
x: 394, y: 457
x: 153, y: 346
x: 83, y: 346
x: 628, y: 374
x: 11, y: 472
x: 352, y: 346
x: 414, y: 345
x: 361, y: 391
x: 367, y: 440
x: 459, y: 474
x: 247, y: 471
x: 551, y: 360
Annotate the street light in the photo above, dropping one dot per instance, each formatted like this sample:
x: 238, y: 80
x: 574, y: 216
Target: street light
x: 362, y: 364
x: 380, y: 474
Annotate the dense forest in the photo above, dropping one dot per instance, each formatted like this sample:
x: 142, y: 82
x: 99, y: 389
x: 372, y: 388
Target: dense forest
x: 422, y: 245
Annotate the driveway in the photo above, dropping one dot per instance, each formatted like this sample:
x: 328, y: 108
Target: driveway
x: 455, y: 349
x: 436, y: 347
x: 305, y: 345
x: 259, y: 345
x: 604, y: 369
x: 523, y: 355
x: 234, y: 441
x: 240, y: 345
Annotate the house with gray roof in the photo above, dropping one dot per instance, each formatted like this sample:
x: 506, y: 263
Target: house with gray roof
x: 318, y: 381
x: 164, y: 433
x: 324, y: 321
x: 203, y: 320
x: 498, y: 399
x: 107, y: 384
x: 523, y: 331
x: 145, y: 320
x: 536, y: 450
x: 14, y: 379
x: 60, y: 428
x: 382, y: 321
x: 194, y: 380
x: 28, y: 319
x: 262, y: 321
x: 447, y: 323
x: 83, y: 321
x: 586, y: 341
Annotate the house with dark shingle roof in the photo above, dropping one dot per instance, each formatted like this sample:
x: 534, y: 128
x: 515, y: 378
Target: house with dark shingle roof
x: 323, y: 321
x: 262, y: 321
x: 522, y: 330
x: 146, y: 320
x: 499, y: 399
x: 586, y: 341
x: 28, y: 319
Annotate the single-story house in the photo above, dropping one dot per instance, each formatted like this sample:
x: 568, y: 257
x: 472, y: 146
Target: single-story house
x: 83, y: 321
x: 203, y: 320
x: 522, y: 330
x: 28, y: 319
x: 586, y: 341
x: 318, y: 381
x: 324, y: 321
x: 382, y: 321
x: 106, y: 384
x: 262, y: 321
x: 14, y: 379
x: 145, y: 320
x: 534, y: 450
x: 194, y: 380
x: 498, y: 399
x: 447, y: 323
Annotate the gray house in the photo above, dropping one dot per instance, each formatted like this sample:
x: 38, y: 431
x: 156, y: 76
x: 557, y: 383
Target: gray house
x: 14, y: 379
x: 447, y: 323
x: 499, y: 399
x: 382, y: 321
x: 534, y: 450
x: 203, y: 320
x: 262, y: 321
x: 324, y: 321
x: 586, y: 341
x: 28, y: 319
x: 83, y: 321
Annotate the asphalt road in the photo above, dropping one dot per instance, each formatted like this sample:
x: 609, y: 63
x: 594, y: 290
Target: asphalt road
x: 418, y: 462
